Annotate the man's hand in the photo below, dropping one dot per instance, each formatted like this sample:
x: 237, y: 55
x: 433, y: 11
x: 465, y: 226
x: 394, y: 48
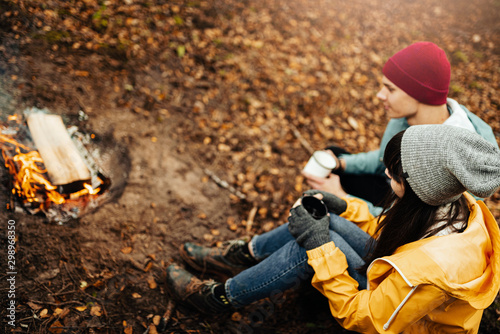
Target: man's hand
x: 329, y: 184
x: 309, y: 233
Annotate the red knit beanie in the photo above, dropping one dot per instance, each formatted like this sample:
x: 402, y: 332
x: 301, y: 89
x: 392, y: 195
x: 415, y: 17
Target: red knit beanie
x: 422, y: 71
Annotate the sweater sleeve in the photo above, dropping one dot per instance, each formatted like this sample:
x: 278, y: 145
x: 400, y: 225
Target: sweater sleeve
x: 362, y: 163
x: 390, y: 308
x: 371, y: 162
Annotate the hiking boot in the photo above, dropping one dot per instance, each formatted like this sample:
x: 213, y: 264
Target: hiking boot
x: 228, y: 260
x: 194, y: 293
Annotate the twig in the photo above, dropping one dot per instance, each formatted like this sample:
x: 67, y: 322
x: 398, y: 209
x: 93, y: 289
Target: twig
x: 69, y: 274
x: 90, y: 296
x: 56, y: 304
x: 301, y: 139
x: 251, y: 217
x: 135, y: 264
x: 166, y: 316
x: 61, y: 291
x: 85, y: 328
x: 65, y: 293
x: 43, y: 286
x: 224, y: 184
x: 28, y: 318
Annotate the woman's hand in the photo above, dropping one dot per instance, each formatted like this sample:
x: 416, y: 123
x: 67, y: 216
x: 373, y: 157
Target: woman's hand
x: 333, y: 203
x: 307, y: 231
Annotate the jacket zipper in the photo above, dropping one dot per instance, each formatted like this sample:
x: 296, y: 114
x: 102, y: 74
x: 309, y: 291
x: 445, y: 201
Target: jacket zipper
x: 414, y: 287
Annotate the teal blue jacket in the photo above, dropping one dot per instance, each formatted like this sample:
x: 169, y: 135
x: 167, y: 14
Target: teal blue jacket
x: 372, y: 162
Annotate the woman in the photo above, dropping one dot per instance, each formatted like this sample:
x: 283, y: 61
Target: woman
x: 433, y: 264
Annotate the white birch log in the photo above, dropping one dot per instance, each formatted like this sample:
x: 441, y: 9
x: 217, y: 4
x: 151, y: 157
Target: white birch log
x: 60, y: 156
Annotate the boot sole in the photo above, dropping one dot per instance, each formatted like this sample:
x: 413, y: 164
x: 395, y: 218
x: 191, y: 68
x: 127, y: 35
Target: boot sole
x: 184, y: 307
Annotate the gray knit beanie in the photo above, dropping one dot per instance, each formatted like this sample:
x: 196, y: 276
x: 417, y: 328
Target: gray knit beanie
x: 443, y: 161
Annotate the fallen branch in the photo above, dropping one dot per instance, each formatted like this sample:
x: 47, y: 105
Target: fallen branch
x: 224, y: 184
x: 250, y: 219
x: 57, y: 304
x: 166, y: 316
x: 301, y: 139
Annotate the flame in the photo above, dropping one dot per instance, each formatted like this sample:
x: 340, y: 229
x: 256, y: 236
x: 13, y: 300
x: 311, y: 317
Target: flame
x: 29, y: 176
x: 26, y: 168
x: 91, y: 190
x: 87, y: 190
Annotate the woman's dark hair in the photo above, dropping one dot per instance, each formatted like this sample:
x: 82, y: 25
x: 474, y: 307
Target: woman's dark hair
x: 407, y: 219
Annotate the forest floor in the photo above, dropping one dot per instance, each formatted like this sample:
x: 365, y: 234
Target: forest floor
x: 205, y: 112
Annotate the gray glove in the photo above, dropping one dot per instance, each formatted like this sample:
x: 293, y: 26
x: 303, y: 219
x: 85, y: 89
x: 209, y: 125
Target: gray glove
x: 332, y: 202
x: 309, y: 233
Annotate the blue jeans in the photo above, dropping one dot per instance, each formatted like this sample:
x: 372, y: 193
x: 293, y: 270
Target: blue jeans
x: 284, y: 266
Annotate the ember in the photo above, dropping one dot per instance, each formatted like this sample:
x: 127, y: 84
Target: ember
x: 30, y: 181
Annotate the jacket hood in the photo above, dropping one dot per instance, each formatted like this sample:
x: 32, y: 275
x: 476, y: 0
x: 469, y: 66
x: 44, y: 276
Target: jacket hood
x: 466, y: 265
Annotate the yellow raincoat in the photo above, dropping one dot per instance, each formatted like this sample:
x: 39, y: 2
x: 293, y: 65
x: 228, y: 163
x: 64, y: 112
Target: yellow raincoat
x: 440, y: 284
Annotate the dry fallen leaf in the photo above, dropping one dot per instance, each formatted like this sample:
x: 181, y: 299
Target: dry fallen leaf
x: 96, y: 311
x: 98, y: 284
x: 262, y: 212
x: 126, y: 250
x: 152, y: 283
x: 64, y: 313
x: 56, y: 327
x: 236, y: 317
x: 352, y: 122
x: 152, y: 329
x: 82, y: 73
x: 268, y: 226
x: 148, y: 266
x: 34, y: 306
x: 224, y: 148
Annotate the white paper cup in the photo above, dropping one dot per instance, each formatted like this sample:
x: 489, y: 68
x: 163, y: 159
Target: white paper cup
x: 320, y: 164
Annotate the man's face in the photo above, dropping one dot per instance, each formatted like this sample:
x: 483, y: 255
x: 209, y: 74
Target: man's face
x: 397, y: 103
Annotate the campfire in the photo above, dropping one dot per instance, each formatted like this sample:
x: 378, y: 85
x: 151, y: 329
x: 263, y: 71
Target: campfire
x: 50, y: 170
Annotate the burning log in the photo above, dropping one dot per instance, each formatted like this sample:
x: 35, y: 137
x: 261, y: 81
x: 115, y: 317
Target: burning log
x: 69, y: 161
x: 59, y: 154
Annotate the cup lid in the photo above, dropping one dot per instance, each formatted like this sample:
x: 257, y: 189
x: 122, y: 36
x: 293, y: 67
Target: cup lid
x: 325, y: 160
